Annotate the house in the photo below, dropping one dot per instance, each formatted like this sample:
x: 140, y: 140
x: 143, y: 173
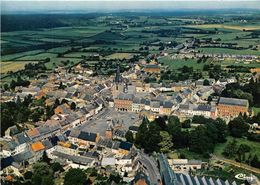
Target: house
x: 125, y: 147
x: 166, y: 108
x: 232, y: 107
x: 83, y: 139
x: 108, y: 161
x: 62, y: 109
x: 37, y: 146
x: 185, y: 165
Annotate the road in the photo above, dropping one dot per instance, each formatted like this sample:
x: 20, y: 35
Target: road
x: 237, y: 164
x: 151, y: 168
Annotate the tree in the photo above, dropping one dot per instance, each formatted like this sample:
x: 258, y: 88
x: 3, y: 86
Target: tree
x: 186, y: 124
x: 152, y: 138
x: 42, y: 174
x: 129, y: 136
x: 238, y: 127
x: 28, y: 175
x: 166, y: 142
x: 200, y: 142
x: 12, y: 85
x: 56, y: 167
x: 75, y: 176
x: 174, y: 129
x: 73, y: 106
x: 206, y: 82
x: 255, y: 162
x: 222, y: 131
x: 230, y: 149
x: 45, y: 158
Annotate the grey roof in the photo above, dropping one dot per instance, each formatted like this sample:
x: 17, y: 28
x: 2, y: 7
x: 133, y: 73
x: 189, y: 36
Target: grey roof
x: 23, y: 156
x: 167, y: 104
x: 87, y: 136
x: 123, y: 96
x: 75, y: 159
x: 47, y: 144
x: 22, y: 138
x: 233, y: 101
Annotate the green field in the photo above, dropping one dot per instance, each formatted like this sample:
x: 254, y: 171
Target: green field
x: 40, y: 56
x: 179, y: 63
x: 17, y: 55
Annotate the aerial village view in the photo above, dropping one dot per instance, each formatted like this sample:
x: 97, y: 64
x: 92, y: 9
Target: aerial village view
x: 130, y: 92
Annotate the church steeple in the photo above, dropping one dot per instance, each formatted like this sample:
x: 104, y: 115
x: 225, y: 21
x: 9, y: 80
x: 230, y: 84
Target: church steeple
x: 118, y: 78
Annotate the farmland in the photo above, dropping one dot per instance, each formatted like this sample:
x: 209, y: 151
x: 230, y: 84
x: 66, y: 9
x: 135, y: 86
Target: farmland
x: 80, y: 37
x: 13, y: 66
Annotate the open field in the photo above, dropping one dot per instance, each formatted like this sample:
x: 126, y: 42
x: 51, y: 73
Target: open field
x: 12, y: 66
x: 225, y: 26
x: 119, y: 56
x: 178, y: 63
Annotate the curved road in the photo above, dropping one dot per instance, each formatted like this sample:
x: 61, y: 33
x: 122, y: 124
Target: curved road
x: 151, y: 168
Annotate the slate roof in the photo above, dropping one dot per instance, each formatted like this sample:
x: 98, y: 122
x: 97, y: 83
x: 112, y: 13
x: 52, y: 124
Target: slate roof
x: 5, y: 162
x: 23, y: 156
x: 123, y: 96
x: 125, y: 145
x: 75, y: 159
x: 233, y: 101
x: 87, y: 136
x: 22, y: 138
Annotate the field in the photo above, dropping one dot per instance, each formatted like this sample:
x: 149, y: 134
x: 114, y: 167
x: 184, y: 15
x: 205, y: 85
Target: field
x: 119, y: 56
x: 95, y: 35
x: 12, y: 66
x: 40, y: 56
x: 240, y: 27
x: 179, y: 63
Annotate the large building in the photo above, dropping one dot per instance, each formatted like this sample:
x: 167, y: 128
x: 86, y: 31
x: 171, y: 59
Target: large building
x: 232, y: 107
x: 123, y: 102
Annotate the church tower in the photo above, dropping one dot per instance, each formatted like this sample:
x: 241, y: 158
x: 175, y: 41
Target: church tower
x: 118, y: 84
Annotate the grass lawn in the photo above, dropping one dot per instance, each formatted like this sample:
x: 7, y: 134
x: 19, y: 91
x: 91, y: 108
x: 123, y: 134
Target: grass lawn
x: 255, y: 147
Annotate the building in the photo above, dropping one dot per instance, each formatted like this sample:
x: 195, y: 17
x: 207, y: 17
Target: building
x: 185, y: 164
x: 124, y: 102
x: 232, y: 107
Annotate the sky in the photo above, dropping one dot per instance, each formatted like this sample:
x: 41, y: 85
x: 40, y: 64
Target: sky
x: 120, y: 5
